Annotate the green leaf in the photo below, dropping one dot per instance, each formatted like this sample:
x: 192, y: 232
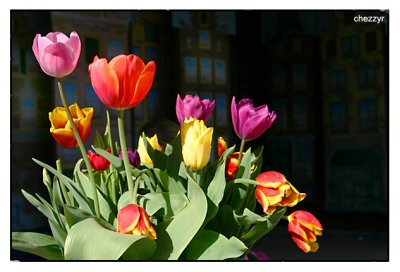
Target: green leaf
x: 98, y: 140
x: 82, y: 200
x: 74, y: 215
x: 46, y: 210
x: 216, y: 189
x: 59, y: 234
x: 171, y: 203
x: 210, y: 245
x: 174, y: 236
x: 246, y: 181
x: 226, y: 222
x: 90, y: 240
x: 260, y: 229
x: 245, y: 166
x: 249, y: 218
x: 38, y: 244
x: 257, y: 162
x: 175, y: 158
x: 168, y: 183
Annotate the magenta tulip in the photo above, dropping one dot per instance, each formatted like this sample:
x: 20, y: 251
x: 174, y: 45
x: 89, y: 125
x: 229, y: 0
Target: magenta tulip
x: 249, y: 122
x: 193, y: 107
x: 57, y: 54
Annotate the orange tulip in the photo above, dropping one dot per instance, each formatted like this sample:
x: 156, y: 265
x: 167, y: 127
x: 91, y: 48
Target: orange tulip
x: 231, y: 161
x: 61, y: 127
x: 304, y: 229
x: 274, y: 190
x: 134, y: 219
x: 123, y: 82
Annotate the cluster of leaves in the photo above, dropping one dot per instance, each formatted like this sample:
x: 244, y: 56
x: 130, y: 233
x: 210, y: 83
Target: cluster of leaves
x: 197, y: 216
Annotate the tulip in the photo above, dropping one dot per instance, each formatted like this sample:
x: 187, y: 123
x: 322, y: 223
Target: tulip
x: 133, y: 157
x: 274, y: 190
x: 304, y: 229
x: 144, y: 156
x: 61, y: 127
x: 232, y: 161
x: 98, y: 162
x: 193, y: 107
x: 123, y: 82
x: 196, y: 143
x: 57, y: 54
x: 134, y: 219
x: 249, y: 122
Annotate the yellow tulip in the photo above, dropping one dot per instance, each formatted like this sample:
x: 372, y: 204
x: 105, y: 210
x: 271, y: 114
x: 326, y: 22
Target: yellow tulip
x: 144, y: 156
x: 196, y: 143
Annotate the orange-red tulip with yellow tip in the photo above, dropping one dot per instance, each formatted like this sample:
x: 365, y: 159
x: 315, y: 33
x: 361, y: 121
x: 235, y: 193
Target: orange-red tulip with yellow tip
x: 133, y: 219
x: 274, y: 190
x: 304, y: 229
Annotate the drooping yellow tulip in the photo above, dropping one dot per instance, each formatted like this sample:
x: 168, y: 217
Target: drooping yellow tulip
x: 196, y: 143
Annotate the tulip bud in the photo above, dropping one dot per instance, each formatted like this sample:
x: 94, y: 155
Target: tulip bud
x: 46, y: 177
x: 196, y: 143
x: 133, y: 157
x: 193, y: 107
x: 98, y: 162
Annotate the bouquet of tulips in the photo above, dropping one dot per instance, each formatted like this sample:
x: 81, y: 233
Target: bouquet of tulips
x: 157, y: 202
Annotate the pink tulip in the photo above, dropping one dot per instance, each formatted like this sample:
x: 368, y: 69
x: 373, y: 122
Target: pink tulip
x: 249, y: 122
x: 193, y: 107
x: 56, y: 53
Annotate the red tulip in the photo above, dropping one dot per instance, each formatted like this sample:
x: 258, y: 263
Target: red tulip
x: 123, y: 82
x: 304, y: 229
x: 98, y: 162
x: 134, y: 219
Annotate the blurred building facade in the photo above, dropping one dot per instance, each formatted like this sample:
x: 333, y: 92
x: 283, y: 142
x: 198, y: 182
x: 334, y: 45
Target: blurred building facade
x: 355, y: 109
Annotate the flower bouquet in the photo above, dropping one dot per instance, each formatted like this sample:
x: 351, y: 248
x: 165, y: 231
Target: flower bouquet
x: 157, y: 202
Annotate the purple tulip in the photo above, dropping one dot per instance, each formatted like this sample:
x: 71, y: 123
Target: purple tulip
x: 259, y: 255
x: 133, y: 157
x: 56, y: 53
x: 193, y: 107
x: 249, y: 122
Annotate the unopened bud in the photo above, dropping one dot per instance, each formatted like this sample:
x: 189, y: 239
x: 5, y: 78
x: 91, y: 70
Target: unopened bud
x: 46, y: 178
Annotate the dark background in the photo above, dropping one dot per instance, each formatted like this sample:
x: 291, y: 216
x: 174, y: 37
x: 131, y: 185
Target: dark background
x: 325, y: 75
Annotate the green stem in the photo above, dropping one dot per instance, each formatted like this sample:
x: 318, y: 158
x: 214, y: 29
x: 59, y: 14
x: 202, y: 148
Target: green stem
x: 137, y: 182
x: 122, y: 140
x: 286, y: 217
x: 81, y: 147
x: 63, y: 188
x: 241, y: 152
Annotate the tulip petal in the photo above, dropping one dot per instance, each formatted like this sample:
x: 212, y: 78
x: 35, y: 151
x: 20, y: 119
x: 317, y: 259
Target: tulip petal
x: 222, y: 146
x: 179, y: 109
x: 65, y: 137
x: 105, y: 82
x: 75, y: 43
x: 234, y: 115
x: 57, y: 60
x: 144, y: 83
x: 127, y: 218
